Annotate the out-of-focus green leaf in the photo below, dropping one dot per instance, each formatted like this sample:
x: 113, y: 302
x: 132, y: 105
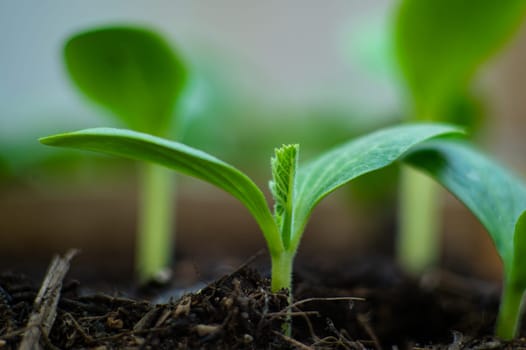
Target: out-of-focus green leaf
x: 133, y: 72
x: 441, y: 43
x: 466, y: 110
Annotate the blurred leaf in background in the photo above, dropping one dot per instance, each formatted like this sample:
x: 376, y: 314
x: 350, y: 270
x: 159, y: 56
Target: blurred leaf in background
x: 131, y: 71
x: 134, y: 73
x: 440, y: 45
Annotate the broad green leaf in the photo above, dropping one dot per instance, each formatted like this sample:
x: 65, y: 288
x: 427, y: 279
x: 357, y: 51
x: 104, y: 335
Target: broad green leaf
x: 353, y: 159
x: 133, y: 72
x: 284, y: 165
x: 441, y: 43
x: 187, y: 160
x: 498, y: 199
x: 492, y: 193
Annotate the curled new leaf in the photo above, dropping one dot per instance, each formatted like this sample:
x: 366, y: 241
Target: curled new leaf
x: 282, y: 187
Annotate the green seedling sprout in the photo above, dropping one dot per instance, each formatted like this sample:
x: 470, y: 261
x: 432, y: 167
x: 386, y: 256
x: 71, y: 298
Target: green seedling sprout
x: 439, y: 45
x: 498, y: 199
x: 495, y: 196
x: 136, y: 75
x: 296, y: 190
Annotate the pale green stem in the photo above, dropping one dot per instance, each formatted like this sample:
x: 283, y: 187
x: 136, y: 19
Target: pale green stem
x: 156, y: 220
x: 281, y: 271
x: 281, y: 274
x: 419, y: 225
x: 508, y: 320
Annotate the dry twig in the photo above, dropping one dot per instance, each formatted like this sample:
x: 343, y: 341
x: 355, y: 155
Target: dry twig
x: 45, y: 305
x: 294, y: 342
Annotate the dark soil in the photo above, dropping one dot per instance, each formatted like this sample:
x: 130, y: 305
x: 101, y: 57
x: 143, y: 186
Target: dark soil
x: 367, y: 305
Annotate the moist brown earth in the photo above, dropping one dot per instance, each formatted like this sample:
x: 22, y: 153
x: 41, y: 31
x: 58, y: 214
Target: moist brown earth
x: 364, y: 305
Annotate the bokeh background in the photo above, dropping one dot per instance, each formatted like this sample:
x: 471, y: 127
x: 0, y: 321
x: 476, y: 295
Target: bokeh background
x: 263, y: 74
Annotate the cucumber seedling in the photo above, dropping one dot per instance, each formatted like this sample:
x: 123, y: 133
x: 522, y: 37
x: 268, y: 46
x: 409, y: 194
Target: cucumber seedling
x: 296, y: 190
x: 494, y: 195
x: 136, y: 75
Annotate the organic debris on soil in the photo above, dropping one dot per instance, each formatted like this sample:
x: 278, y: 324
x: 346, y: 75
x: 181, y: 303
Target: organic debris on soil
x: 370, y: 306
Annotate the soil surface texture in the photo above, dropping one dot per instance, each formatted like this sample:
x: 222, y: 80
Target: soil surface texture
x: 366, y: 305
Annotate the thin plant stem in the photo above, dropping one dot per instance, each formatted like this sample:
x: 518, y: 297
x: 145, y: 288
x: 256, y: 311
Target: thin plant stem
x: 156, y: 220
x: 510, y: 312
x: 281, y: 274
x: 282, y: 271
x: 419, y: 225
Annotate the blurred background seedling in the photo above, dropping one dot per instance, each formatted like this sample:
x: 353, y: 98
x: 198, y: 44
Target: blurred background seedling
x: 136, y: 75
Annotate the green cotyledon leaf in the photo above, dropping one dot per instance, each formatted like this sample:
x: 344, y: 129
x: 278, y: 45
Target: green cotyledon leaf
x: 353, y: 159
x: 493, y: 194
x: 131, y: 71
x: 498, y: 199
x: 187, y: 160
